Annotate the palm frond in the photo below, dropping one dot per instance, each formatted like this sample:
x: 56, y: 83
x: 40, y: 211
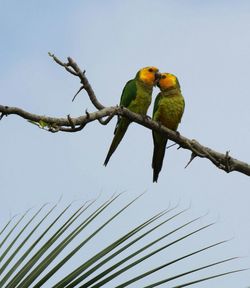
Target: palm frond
x: 33, y: 263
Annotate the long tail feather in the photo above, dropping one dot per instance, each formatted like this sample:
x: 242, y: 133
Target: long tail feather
x: 119, y: 133
x: 158, y: 156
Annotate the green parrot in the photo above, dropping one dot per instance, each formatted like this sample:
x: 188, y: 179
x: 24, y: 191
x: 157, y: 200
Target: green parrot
x: 168, y: 109
x: 136, y: 96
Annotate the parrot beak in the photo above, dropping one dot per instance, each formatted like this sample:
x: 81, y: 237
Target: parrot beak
x: 157, y: 78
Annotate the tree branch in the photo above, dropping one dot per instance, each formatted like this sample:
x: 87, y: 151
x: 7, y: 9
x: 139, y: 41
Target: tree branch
x: 73, y: 68
x: 68, y: 124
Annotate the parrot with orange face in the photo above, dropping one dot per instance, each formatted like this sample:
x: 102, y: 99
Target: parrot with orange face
x: 136, y: 96
x: 168, y: 109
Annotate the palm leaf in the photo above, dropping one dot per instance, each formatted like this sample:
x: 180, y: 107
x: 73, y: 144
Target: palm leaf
x: 32, y: 263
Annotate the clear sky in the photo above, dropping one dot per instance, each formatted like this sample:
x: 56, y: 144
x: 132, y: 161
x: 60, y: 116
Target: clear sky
x: 205, y: 43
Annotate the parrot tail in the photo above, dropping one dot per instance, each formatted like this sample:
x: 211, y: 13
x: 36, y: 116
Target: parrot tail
x: 158, y: 156
x: 120, y: 131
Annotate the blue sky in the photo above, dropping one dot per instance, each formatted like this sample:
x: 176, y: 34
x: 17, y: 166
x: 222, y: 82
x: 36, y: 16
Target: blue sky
x: 205, y: 43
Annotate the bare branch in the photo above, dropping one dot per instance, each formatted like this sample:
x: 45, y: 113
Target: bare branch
x: 73, y: 68
x: 68, y: 124
x: 222, y: 161
x: 65, y: 65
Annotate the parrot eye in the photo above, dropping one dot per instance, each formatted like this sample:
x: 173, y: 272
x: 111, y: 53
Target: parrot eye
x: 163, y: 76
x: 150, y: 70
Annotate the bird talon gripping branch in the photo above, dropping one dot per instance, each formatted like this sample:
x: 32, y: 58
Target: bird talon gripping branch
x: 146, y: 117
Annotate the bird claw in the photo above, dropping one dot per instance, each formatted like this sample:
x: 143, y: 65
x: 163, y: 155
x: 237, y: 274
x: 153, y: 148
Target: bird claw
x: 160, y: 124
x: 146, y: 117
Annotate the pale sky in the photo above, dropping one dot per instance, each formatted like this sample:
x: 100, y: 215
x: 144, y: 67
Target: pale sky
x: 205, y: 43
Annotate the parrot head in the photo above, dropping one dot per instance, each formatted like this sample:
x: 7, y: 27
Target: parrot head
x: 149, y: 75
x: 168, y: 81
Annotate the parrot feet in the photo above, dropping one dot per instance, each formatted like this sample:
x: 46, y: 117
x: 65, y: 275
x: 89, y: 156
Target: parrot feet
x: 159, y: 124
x: 146, y: 117
x: 178, y: 134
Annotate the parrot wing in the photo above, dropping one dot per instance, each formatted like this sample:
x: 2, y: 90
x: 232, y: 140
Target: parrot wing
x: 128, y: 93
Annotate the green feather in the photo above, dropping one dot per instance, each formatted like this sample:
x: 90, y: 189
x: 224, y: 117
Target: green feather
x: 157, y: 99
x: 128, y: 93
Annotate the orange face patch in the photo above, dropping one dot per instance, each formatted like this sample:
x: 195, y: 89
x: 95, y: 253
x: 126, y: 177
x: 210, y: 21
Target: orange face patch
x: 147, y: 75
x: 167, y: 81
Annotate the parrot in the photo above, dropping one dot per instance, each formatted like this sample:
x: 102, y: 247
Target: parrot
x: 136, y: 96
x: 168, y: 110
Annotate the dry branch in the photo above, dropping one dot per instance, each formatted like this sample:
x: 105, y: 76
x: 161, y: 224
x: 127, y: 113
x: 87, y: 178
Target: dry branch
x: 68, y: 124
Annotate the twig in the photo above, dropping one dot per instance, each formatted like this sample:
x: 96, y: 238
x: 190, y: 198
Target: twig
x: 193, y: 155
x: 71, y: 122
x: 76, y: 71
x: 81, y: 88
x: 107, y: 120
x: 76, y: 129
x: 65, y: 65
x: 170, y: 146
x: 227, y: 164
